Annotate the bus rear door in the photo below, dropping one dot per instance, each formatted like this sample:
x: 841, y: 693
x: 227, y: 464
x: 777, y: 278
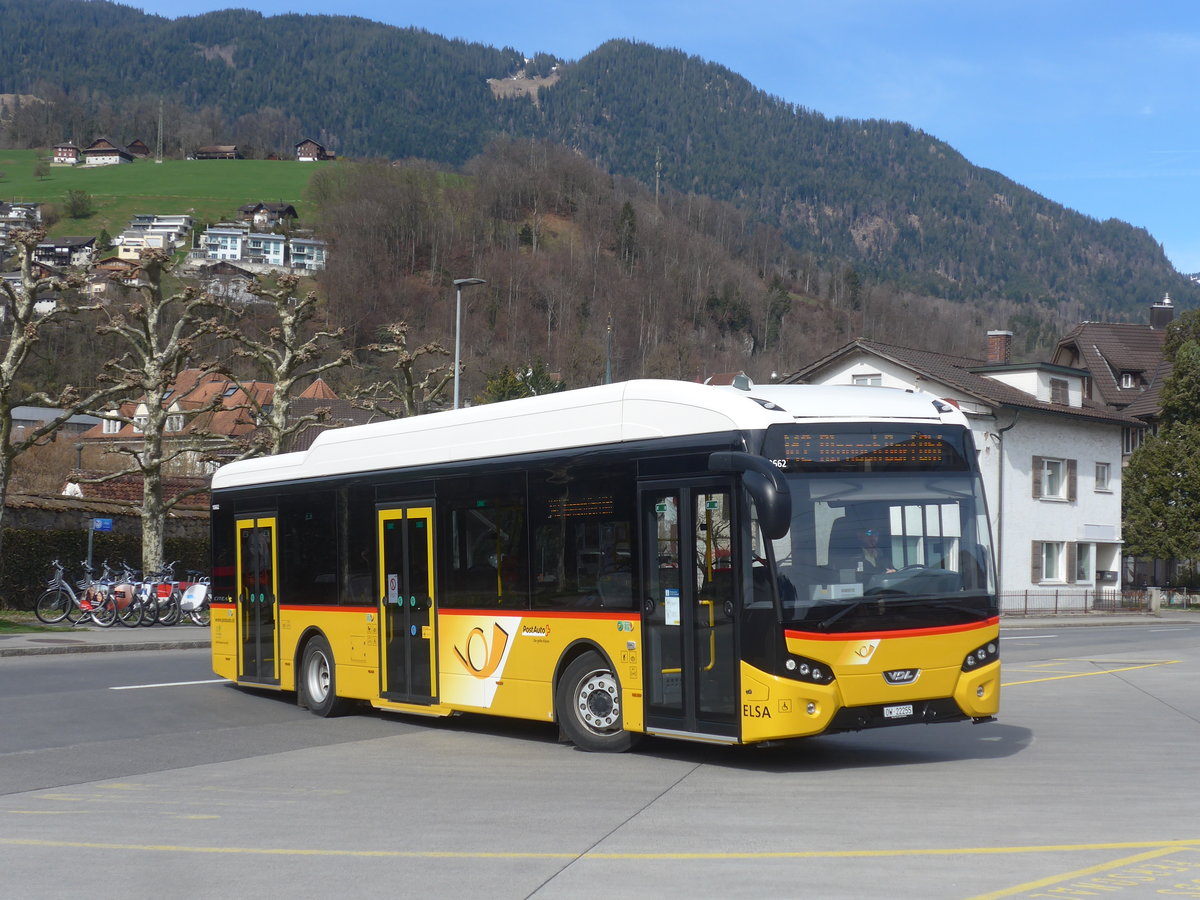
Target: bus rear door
x: 691, y: 669
x: 257, y: 601
x: 406, y: 613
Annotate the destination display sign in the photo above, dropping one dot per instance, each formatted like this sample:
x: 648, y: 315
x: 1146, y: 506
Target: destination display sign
x: 856, y: 448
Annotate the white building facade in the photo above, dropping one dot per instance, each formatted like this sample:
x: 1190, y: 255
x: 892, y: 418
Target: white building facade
x: 1050, y: 462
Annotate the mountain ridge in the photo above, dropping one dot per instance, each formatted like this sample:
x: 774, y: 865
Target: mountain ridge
x: 897, y: 204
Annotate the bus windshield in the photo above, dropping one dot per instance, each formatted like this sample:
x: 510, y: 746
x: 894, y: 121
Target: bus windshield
x: 884, y: 550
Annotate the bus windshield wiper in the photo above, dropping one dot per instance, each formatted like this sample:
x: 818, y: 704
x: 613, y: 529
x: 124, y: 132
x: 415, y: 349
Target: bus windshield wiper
x: 844, y: 611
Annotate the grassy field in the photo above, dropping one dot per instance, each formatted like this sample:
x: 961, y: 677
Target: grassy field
x: 208, y: 190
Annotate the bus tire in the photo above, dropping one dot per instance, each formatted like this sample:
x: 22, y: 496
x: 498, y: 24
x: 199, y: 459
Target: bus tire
x: 318, y: 680
x: 587, y: 704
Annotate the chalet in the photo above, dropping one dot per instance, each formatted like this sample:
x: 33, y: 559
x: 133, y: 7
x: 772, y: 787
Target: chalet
x: 309, y: 150
x: 138, y: 148
x: 113, y: 270
x: 65, y: 154
x: 103, y: 152
x: 228, y: 282
x: 267, y: 215
x: 1050, y: 457
x: 218, y: 151
x: 61, y: 252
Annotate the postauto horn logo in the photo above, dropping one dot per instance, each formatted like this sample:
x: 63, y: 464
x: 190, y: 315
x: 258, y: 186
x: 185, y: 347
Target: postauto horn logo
x: 480, y: 656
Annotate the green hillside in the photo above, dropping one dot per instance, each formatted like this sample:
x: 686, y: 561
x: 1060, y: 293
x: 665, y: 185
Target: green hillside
x: 894, y: 204
x: 208, y: 190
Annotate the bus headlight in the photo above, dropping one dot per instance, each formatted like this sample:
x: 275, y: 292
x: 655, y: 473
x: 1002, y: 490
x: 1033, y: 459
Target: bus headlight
x: 981, y: 656
x: 803, y: 669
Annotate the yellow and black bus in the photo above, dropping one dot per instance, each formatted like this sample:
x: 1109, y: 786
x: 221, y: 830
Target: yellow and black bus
x: 721, y: 564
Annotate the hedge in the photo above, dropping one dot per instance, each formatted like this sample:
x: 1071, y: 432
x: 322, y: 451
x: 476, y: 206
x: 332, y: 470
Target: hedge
x: 27, y: 555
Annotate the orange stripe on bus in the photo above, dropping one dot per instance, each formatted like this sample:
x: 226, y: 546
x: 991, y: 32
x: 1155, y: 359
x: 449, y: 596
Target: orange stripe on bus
x: 898, y: 633
x: 538, y: 614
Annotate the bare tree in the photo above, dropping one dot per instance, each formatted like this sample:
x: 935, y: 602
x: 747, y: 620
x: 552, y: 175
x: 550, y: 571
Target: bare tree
x: 408, y: 391
x: 25, y: 322
x: 160, y: 334
x: 287, y: 353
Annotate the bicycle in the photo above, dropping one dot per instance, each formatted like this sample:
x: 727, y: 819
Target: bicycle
x: 94, y: 599
x: 60, y: 602
x: 57, y: 600
x: 195, y: 599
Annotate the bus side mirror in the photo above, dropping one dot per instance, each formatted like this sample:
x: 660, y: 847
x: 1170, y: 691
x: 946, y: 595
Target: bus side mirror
x: 766, y: 485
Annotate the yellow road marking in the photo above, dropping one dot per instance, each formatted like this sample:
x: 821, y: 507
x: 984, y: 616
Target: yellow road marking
x: 1079, y: 873
x: 1169, y: 662
x: 1158, y: 848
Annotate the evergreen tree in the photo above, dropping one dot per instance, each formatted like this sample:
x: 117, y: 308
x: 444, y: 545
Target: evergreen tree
x: 1161, y: 485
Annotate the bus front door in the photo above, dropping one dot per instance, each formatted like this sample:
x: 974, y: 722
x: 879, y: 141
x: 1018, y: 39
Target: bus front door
x: 691, y: 669
x: 257, y: 601
x: 406, y: 607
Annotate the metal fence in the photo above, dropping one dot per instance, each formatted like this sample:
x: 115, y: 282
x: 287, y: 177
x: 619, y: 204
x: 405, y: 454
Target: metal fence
x: 1076, y: 602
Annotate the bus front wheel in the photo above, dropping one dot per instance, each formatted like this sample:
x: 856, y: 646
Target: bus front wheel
x: 318, y: 680
x: 588, y: 706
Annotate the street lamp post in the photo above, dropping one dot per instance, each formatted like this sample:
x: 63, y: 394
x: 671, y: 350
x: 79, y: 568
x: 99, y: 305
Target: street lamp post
x: 459, y: 284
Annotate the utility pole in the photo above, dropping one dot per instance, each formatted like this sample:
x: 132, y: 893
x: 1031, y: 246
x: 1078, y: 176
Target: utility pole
x: 158, y: 145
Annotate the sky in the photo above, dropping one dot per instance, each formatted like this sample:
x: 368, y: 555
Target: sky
x: 1091, y: 104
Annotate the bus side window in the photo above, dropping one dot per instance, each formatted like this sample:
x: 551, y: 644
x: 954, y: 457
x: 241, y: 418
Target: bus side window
x: 581, y: 525
x: 485, y: 553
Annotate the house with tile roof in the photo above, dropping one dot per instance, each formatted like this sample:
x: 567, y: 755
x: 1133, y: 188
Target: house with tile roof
x: 1050, y: 459
x: 1125, y: 366
x: 211, y: 414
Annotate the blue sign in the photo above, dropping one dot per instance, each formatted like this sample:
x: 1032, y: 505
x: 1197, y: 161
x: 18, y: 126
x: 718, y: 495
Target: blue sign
x: 102, y: 524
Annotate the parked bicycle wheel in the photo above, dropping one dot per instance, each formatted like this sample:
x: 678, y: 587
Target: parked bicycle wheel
x: 52, y: 606
x: 129, y: 611
x: 200, y: 616
x: 168, y: 609
x: 104, y: 611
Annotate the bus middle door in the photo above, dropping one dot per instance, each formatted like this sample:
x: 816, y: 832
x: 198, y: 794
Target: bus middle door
x: 691, y: 670
x: 406, y: 608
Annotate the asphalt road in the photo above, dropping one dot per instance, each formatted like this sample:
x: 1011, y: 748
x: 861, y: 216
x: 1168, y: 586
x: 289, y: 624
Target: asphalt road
x: 135, y: 774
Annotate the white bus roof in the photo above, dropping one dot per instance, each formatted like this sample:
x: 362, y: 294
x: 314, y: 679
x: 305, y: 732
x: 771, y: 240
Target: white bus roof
x: 608, y: 414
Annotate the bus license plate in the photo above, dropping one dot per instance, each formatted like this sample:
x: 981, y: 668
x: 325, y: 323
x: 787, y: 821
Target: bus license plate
x: 898, y: 712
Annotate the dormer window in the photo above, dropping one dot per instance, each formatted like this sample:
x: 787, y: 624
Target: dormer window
x: 1060, y: 391
x: 112, y: 426
x: 1127, y: 380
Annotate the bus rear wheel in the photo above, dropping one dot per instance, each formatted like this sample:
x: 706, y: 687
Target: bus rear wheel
x: 588, y: 706
x: 318, y: 680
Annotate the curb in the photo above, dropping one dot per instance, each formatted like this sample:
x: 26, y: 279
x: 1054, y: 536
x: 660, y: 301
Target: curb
x: 63, y: 649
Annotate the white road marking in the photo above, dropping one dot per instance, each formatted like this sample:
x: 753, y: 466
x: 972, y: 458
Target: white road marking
x: 138, y: 687
x: 1025, y: 637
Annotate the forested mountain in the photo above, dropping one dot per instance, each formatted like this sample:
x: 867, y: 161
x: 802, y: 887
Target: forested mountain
x: 896, y: 204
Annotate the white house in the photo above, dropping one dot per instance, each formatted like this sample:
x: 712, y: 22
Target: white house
x: 1050, y: 459
x: 266, y: 249
x: 308, y: 254
x: 260, y: 251
x: 224, y: 243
